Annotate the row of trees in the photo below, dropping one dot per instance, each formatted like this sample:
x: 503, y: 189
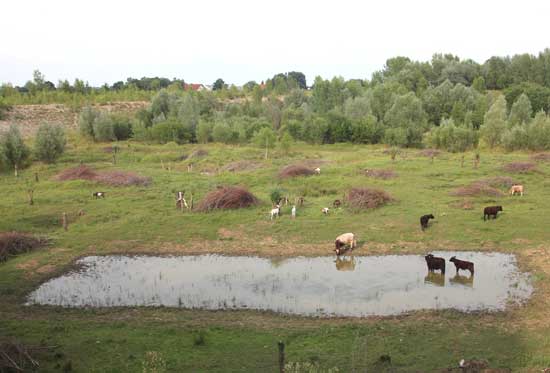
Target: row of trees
x: 49, y: 145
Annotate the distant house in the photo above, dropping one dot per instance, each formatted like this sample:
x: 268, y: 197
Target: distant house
x: 195, y: 87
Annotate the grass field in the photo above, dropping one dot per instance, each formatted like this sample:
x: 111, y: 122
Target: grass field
x: 145, y: 220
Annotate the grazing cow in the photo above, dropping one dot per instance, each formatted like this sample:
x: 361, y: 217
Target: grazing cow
x: 435, y: 263
x: 98, y: 195
x: 337, y: 203
x: 424, y: 221
x: 275, y: 212
x: 293, y: 212
x: 516, y: 189
x: 317, y: 171
x: 462, y: 264
x: 325, y: 210
x: 491, y: 211
x: 343, y: 241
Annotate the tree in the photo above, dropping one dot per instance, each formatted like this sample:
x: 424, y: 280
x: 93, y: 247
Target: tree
x: 50, y: 142
x: 222, y: 132
x: 86, y: 121
x: 13, y: 151
x: 407, y: 119
x: 521, y: 111
x: 479, y: 84
x: 218, y: 84
x: 204, y: 132
x: 104, y: 128
x: 494, y: 122
x: 299, y: 77
x: 286, y: 143
x: 265, y: 138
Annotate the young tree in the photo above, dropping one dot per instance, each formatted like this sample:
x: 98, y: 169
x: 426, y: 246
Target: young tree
x: 204, y: 132
x: 286, y: 143
x: 13, y: 151
x: 494, y: 122
x: 104, y: 128
x: 50, y: 142
x: 521, y: 111
x: 407, y: 119
x: 86, y: 120
x: 265, y: 138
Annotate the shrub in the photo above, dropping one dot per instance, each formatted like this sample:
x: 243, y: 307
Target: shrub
x: 50, y: 143
x: 4, y: 108
x: 222, y: 133
x: 122, y: 126
x: 13, y: 151
x: 204, y: 132
x: 86, y: 121
x: 515, y: 138
x: 367, y: 198
x: 14, y: 243
x: 453, y: 138
x: 276, y: 195
x: 103, y: 129
x: 227, y: 198
x: 169, y: 130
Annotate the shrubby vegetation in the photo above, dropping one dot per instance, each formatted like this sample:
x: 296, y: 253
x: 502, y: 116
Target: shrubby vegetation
x: 446, y: 103
x: 50, y: 143
x: 13, y: 151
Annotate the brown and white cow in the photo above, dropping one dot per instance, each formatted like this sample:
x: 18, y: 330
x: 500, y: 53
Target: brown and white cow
x: 516, y: 189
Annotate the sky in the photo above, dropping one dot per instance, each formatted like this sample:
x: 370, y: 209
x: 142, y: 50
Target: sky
x: 239, y: 40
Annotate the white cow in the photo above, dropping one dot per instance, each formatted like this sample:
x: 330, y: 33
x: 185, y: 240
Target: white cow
x: 343, y: 240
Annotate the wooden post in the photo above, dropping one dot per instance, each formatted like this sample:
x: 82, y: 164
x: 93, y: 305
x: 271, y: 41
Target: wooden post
x: 30, y: 192
x: 281, y: 356
x: 65, y: 222
x: 462, y: 161
x: 36, y: 177
x: 15, y: 167
x: 191, y: 202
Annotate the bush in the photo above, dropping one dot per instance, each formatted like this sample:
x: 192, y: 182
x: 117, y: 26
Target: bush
x: 515, y: 138
x: 170, y: 130
x: 13, y: 243
x: 86, y: 121
x: 50, y: 143
x: 452, y: 138
x: 204, y: 132
x: 4, y: 108
x: 367, y: 198
x: 103, y: 128
x: 222, y: 133
x: 122, y: 126
x: 227, y: 198
x: 13, y: 151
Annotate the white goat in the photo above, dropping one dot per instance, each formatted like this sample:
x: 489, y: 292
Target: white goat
x: 317, y: 171
x: 275, y: 212
x: 325, y: 210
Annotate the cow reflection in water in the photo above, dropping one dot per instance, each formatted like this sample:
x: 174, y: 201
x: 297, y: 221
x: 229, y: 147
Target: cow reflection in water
x: 463, y: 280
x: 434, y: 278
x: 345, y: 264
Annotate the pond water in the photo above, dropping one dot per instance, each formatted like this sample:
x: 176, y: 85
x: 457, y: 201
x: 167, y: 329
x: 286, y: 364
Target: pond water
x: 321, y: 286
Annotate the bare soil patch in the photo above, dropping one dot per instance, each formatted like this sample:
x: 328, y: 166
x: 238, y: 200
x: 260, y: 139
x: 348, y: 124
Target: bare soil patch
x: 111, y: 178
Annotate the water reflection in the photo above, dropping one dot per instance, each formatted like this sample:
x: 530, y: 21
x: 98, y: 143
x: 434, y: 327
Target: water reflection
x: 345, y: 264
x: 435, y: 278
x: 463, y: 280
x: 349, y: 286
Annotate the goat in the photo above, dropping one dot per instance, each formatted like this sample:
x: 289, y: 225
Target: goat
x: 97, y: 195
x: 317, y: 171
x: 424, y: 220
x: 491, y: 211
x: 337, y: 203
x: 293, y: 212
x: 462, y: 264
x: 275, y: 212
x: 325, y: 210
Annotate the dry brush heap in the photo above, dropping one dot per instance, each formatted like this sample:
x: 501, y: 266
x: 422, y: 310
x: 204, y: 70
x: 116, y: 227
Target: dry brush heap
x: 111, y: 178
x: 227, y: 197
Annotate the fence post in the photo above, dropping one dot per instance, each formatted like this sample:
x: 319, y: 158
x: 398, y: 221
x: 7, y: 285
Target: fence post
x: 281, y: 356
x: 65, y: 222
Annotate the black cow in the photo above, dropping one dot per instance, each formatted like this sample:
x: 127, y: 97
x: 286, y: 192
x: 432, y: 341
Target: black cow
x: 462, y: 264
x: 434, y: 263
x: 491, y: 211
x: 424, y: 221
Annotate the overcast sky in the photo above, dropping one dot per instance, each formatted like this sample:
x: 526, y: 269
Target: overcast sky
x: 239, y: 40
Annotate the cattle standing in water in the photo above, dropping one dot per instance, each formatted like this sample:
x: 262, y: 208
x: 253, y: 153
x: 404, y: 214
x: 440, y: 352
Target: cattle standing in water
x: 98, y: 195
x: 343, y: 240
x: 434, y: 263
x: 424, y: 221
x: 463, y: 265
x: 491, y: 211
x: 516, y: 189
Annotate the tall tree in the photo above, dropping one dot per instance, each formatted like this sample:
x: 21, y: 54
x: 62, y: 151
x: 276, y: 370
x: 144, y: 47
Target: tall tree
x: 521, y: 111
x: 218, y: 84
x: 495, y: 122
x: 13, y: 151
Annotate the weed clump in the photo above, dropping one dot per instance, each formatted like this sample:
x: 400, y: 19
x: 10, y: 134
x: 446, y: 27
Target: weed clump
x: 14, y: 243
x: 199, y: 153
x: 111, y: 178
x: 541, y: 157
x: 367, y: 198
x: 227, y: 197
x: 380, y: 174
x: 294, y: 171
x: 519, y: 167
x: 16, y: 357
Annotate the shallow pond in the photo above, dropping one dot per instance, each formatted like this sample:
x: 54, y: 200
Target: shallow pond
x: 322, y: 286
